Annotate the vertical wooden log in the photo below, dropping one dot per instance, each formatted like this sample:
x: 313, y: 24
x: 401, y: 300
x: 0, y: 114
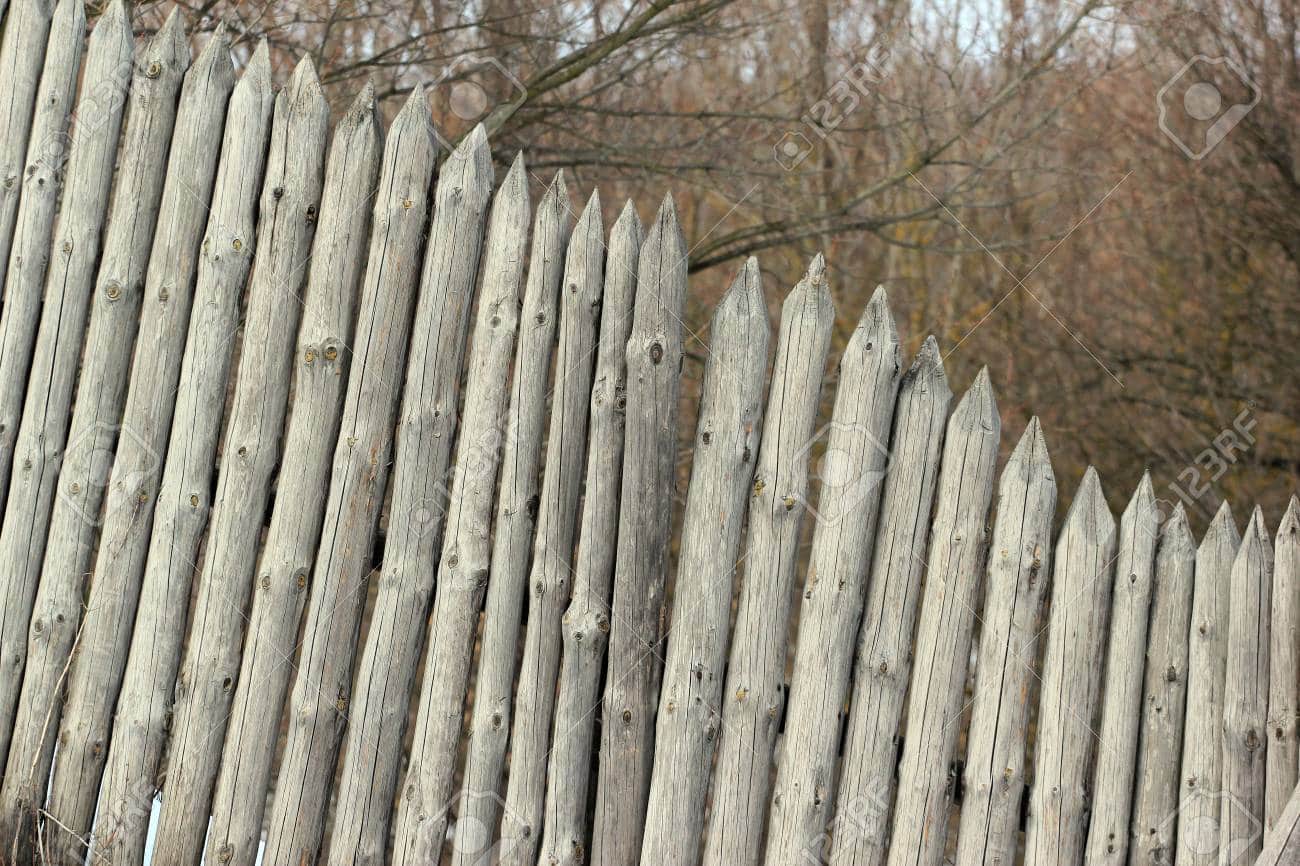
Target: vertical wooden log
x: 751, y: 713
x: 48, y: 403
x: 853, y: 468
x: 165, y: 575
x: 1072, y: 664
x: 959, y: 543
x: 1284, y: 668
x: 1121, y: 715
x: 95, y: 672
x: 322, y: 686
x: 101, y: 371
x: 726, y: 442
x: 1282, y: 844
x: 1020, y: 563
x: 654, y: 356
x: 1202, y: 763
x: 29, y: 256
x: 1164, y: 694
x: 883, y: 664
x: 323, y: 358
x: 1245, y: 698
x: 291, y: 197
x: 548, y: 580
x: 516, y: 509
x: 22, y: 55
x: 427, y: 429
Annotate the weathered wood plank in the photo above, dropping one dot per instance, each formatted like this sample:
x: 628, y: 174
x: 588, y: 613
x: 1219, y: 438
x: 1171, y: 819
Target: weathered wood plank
x: 727, y: 439
x: 1072, y: 664
x: 1202, y: 763
x: 1284, y: 668
x: 22, y: 54
x: 853, y: 468
x: 751, y: 710
x: 427, y: 431
x: 516, y: 511
x: 180, y: 516
x: 324, y: 355
x: 958, y: 546
x: 557, y: 519
x: 1282, y: 844
x: 654, y: 357
x: 290, y: 200
x: 1121, y: 715
x: 882, y: 668
x: 1155, y: 802
x: 1020, y: 564
x: 322, y: 686
x: 168, y: 292
x: 1245, y: 697
x: 29, y: 256
x: 57, y: 354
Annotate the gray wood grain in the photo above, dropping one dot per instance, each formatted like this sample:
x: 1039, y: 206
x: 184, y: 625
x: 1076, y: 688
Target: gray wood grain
x: 427, y: 427
x: 23, y: 288
x: 1284, y: 668
x: 1245, y: 697
x: 548, y: 580
x: 290, y: 201
x: 1020, y: 564
x: 727, y: 439
x: 1121, y: 715
x: 164, y: 577
x: 323, y: 355
x: 958, y: 547
x: 654, y: 359
x: 1160, y: 748
x: 859, y: 829
x: 1202, y: 762
x: 751, y: 709
x: 586, y: 621
x: 129, y: 490
x: 1282, y: 844
x: 516, y: 511
x: 1082, y: 576
x: 322, y: 686
x: 852, y: 471
x: 56, y: 356
x: 22, y: 55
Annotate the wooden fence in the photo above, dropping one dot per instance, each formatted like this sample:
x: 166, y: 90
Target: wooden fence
x: 203, y: 656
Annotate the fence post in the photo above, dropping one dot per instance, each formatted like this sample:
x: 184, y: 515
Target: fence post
x: 727, y: 439
x: 1202, y: 762
x: 41, y: 180
x: 1245, y: 697
x: 586, y: 621
x: 94, y: 674
x: 1121, y: 715
x: 883, y: 652
x: 465, y: 560
x: 654, y: 358
x: 1020, y: 564
x: 1284, y: 668
x: 516, y: 510
x: 165, y: 575
x: 49, y: 383
x: 751, y: 708
x: 1155, y: 802
x: 853, y: 468
x: 291, y: 196
x: 22, y: 55
x: 322, y: 685
x: 548, y: 581
x: 323, y: 353
x: 1076, y: 638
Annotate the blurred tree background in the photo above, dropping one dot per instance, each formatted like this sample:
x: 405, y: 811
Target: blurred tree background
x: 1100, y: 201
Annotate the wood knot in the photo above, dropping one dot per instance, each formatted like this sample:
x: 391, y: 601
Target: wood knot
x: 153, y: 71
x: 656, y: 352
